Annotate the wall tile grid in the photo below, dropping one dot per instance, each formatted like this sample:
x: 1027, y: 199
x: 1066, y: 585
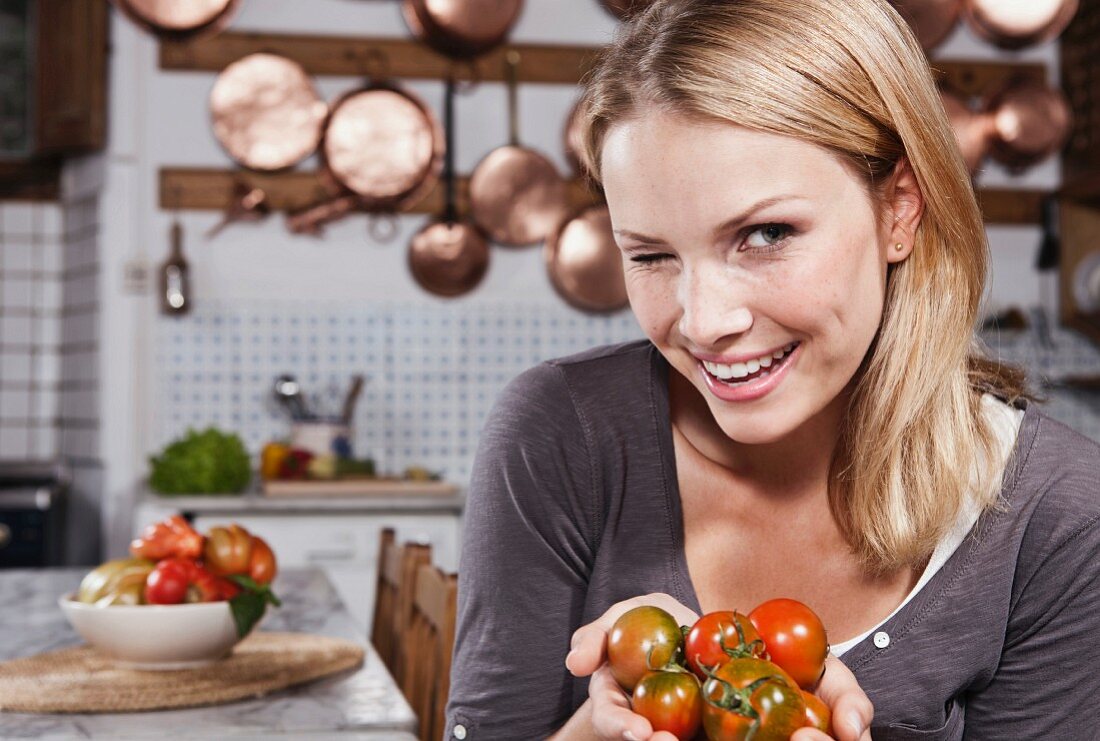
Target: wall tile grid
x: 433, y: 371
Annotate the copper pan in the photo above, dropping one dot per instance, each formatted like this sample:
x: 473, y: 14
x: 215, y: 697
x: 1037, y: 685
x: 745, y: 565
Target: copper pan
x: 382, y: 152
x: 1031, y: 121
x: 625, y: 9
x: 932, y: 20
x: 448, y: 256
x: 266, y: 113
x: 571, y: 138
x: 180, y: 19
x: 517, y: 196
x: 461, y: 29
x: 1015, y: 24
x: 973, y: 129
x: 584, y: 263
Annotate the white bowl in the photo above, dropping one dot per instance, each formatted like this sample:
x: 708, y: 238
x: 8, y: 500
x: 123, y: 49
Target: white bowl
x: 155, y: 636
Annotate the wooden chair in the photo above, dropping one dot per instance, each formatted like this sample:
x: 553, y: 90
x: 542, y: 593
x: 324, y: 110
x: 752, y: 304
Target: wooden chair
x: 393, y: 599
x: 429, y: 641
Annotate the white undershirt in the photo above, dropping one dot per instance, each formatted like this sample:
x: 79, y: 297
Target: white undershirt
x: 1005, y: 422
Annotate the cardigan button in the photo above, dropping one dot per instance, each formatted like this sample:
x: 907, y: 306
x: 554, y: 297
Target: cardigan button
x: 459, y: 732
x: 882, y: 639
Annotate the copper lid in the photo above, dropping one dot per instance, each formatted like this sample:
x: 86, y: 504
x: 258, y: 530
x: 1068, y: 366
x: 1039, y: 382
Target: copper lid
x: 932, y: 20
x: 266, y: 112
x: 584, y: 263
x: 1014, y: 24
x: 461, y: 29
x: 384, y: 145
x: 1031, y: 121
x: 180, y: 17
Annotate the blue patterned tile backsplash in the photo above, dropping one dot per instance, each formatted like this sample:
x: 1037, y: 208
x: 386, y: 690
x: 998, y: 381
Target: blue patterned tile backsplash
x: 434, y: 370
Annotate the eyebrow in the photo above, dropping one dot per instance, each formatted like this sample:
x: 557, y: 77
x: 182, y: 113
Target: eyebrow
x: 726, y: 226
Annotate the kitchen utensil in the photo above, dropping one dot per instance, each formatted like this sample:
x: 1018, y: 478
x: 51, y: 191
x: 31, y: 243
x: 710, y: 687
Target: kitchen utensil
x: 351, y: 398
x: 1030, y: 122
x: 448, y: 256
x: 289, y: 394
x: 246, y: 204
x: 321, y: 436
x: 1014, y: 24
x: 461, y: 29
x: 180, y: 19
x: 584, y: 263
x: 517, y: 196
x: 382, y: 151
x: 266, y: 113
x: 175, y: 274
x: 932, y: 20
x: 625, y: 9
x: 973, y: 129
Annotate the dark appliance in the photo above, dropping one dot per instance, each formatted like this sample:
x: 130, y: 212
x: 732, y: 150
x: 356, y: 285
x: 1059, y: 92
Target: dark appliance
x: 32, y: 513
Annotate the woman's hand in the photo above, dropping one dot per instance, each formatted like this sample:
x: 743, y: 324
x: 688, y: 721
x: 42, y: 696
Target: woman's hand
x: 612, y: 717
x: 851, y: 709
x: 611, y: 714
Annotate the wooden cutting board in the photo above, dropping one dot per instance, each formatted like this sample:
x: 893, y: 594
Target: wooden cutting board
x: 82, y: 680
x: 361, y: 487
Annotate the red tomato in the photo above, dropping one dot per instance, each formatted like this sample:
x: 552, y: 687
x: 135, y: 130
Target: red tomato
x: 642, y: 640
x: 818, y: 714
x: 167, y: 582
x: 742, y: 688
x: 719, y: 636
x: 228, y: 550
x: 795, y: 638
x: 262, y: 565
x: 670, y: 701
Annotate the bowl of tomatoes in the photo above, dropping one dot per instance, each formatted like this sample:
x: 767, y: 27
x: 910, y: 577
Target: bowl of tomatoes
x: 182, y: 599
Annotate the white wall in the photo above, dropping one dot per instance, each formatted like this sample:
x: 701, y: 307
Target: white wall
x: 159, y: 119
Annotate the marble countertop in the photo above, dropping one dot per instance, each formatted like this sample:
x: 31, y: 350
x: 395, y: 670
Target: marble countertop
x: 363, y: 704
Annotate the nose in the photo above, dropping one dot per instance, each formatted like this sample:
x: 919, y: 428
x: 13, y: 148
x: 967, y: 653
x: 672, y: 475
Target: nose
x: 712, y: 306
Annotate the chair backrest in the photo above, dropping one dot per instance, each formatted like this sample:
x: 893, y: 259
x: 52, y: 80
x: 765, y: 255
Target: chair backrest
x: 393, y: 599
x: 429, y: 642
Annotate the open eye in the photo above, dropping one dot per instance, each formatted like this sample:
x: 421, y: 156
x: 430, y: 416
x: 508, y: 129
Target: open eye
x: 768, y: 237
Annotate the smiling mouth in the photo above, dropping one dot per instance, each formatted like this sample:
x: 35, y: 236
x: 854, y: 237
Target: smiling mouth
x: 741, y: 374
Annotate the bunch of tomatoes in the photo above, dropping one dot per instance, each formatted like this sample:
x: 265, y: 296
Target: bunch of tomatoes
x: 733, y: 676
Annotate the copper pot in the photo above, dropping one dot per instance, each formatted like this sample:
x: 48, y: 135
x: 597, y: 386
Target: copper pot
x: 973, y: 129
x: 180, y: 19
x: 461, y: 29
x: 624, y: 9
x: 517, y: 196
x: 584, y: 263
x: 932, y: 20
x: 1014, y: 24
x: 266, y: 113
x: 448, y: 256
x: 1030, y: 121
x: 571, y: 138
x: 382, y: 152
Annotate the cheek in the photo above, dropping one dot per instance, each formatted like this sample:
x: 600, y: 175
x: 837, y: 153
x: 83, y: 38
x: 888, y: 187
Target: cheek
x: 652, y: 299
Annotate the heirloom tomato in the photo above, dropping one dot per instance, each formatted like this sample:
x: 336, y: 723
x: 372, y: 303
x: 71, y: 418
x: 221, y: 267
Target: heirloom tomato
x: 228, y: 550
x: 719, y: 636
x: 261, y: 565
x: 671, y: 701
x: 795, y: 638
x: 751, y: 699
x: 818, y: 714
x: 643, y: 639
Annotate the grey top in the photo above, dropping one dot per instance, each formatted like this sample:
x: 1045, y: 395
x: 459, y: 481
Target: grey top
x: 574, y: 505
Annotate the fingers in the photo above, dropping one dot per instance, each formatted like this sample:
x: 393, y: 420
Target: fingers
x: 611, y: 714
x: 852, y: 710
x: 588, y: 648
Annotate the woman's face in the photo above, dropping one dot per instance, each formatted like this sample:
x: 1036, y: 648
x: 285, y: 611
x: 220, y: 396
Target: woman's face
x: 755, y: 263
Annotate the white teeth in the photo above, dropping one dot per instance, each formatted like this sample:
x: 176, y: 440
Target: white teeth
x: 766, y: 362
x: 778, y: 354
x: 753, y: 366
x: 740, y: 370
x: 723, y: 371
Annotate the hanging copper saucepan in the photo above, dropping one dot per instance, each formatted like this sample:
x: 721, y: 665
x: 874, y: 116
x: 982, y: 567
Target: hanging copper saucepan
x: 1030, y: 122
x: 624, y: 9
x: 517, y: 196
x: 1014, y: 24
x: 461, y: 29
x: 571, y: 139
x: 180, y: 19
x: 382, y: 152
x: 448, y: 256
x: 932, y: 20
x: 973, y: 129
x: 584, y: 263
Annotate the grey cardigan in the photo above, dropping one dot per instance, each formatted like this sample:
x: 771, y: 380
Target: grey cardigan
x: 574, y: 505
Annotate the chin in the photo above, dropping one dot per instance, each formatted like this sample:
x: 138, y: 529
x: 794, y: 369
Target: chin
x: 755, y: 428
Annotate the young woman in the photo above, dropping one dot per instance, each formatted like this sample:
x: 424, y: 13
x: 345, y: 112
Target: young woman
x: 810, y: 416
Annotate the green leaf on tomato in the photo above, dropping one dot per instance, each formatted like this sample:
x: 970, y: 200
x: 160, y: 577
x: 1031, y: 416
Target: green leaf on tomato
x: 249, y: 605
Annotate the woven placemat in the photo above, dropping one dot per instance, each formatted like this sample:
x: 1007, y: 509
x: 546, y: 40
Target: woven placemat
x: 82, y: 680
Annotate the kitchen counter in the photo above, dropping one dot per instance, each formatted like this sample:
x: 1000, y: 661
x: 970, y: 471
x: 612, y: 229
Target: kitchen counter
x: 362, y: 704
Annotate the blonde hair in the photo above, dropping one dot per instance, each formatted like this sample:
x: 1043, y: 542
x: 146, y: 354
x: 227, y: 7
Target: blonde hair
x: 850, y: 77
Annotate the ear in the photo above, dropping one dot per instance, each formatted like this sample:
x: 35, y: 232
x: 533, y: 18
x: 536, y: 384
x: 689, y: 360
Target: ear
x: 903, y: 207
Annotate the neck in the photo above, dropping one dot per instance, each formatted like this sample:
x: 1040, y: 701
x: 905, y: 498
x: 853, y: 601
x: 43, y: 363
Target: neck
x: 798, y: 464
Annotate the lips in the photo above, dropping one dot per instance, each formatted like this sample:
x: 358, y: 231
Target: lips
x: 754, y: 386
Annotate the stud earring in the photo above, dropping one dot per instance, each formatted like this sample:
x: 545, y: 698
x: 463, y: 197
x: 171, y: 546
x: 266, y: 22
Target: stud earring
x: 899, y: 246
